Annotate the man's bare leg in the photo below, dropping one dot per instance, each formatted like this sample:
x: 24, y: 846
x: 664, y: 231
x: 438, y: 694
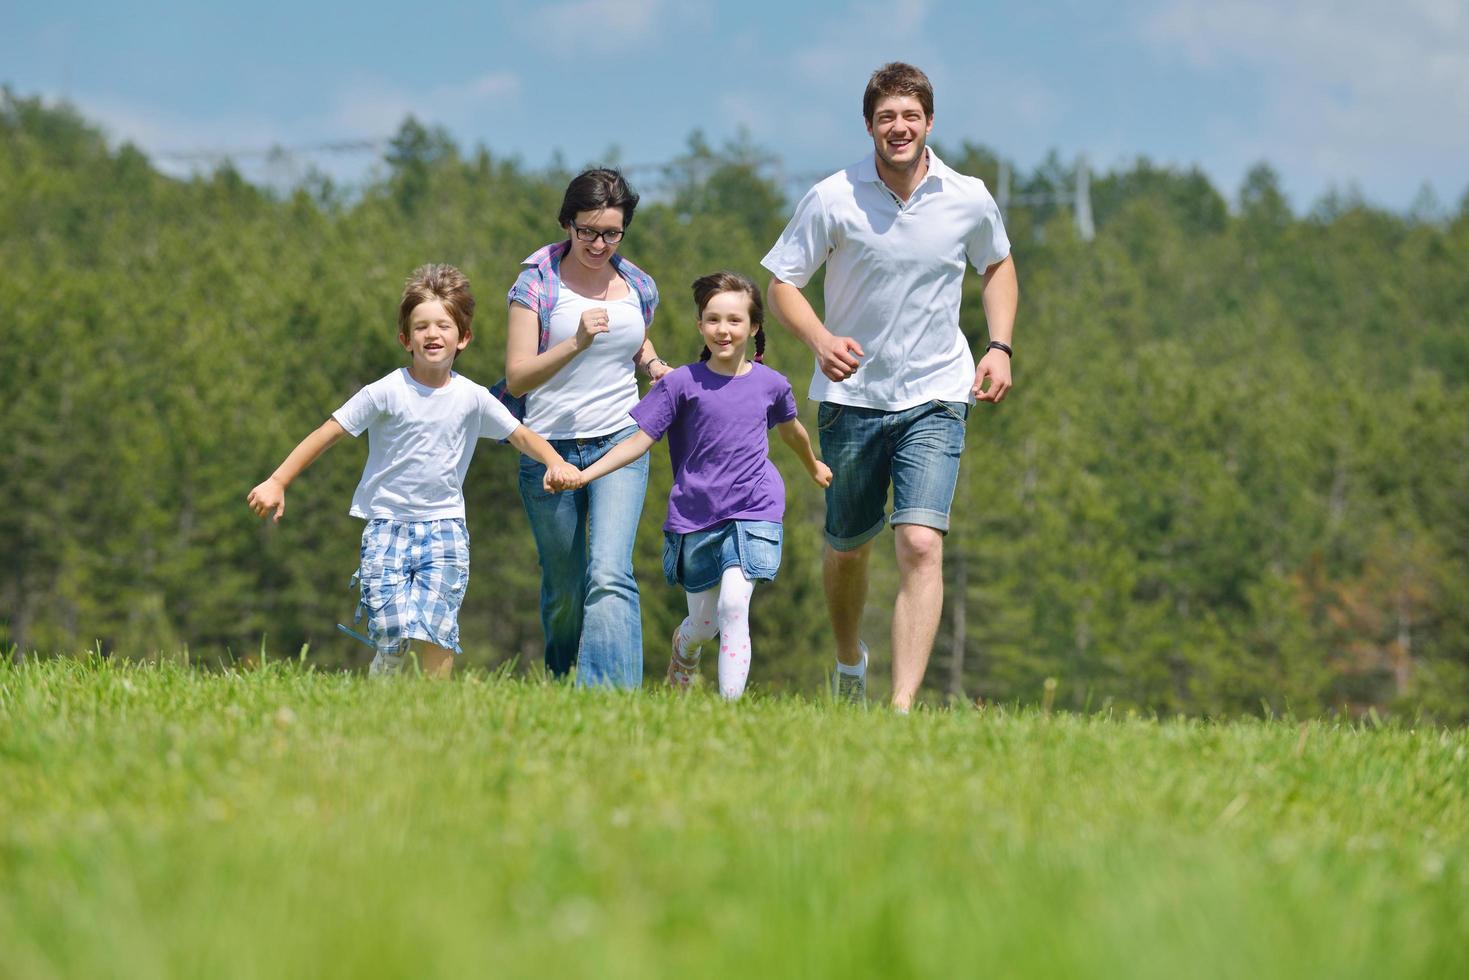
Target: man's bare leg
x: 916, y: 613
x: 844, y: 574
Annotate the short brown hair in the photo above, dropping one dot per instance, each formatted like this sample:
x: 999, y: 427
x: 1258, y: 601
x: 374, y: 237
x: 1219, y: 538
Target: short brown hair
x: 897, y: 78
x: 438, y: 282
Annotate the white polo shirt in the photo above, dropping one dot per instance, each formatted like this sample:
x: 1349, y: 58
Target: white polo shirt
x: 895, y: 272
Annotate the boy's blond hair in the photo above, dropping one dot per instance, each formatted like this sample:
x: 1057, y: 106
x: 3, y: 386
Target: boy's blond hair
x: 438, y: 282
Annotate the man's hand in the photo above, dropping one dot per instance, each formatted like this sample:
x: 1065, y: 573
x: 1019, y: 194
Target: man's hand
x: 268, y: 496
x: 995, y: 365
x: 838, y: 357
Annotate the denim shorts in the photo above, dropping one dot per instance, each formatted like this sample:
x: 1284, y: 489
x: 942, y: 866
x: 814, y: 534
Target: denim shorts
x: 413, y: 575
x: 916, y: 451
x: 695, y: 561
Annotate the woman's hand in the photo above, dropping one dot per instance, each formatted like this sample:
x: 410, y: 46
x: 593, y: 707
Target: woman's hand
x: 593, y: 322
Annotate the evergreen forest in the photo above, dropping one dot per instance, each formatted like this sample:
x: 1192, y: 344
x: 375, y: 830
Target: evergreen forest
x: 1232, y: 477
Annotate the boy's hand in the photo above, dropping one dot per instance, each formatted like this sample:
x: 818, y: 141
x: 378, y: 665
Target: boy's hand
x: 562, y: 476
x: 268, y: 496
x: 822, y: 476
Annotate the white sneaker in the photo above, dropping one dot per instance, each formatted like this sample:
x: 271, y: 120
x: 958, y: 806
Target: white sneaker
x: 852, y: 688
x: 385, y: 665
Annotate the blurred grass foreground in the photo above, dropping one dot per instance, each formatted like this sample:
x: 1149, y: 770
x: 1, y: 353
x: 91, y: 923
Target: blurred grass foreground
x: 160, y: 821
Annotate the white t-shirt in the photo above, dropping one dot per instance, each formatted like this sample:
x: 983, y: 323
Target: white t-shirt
x: 591, y: 395
x: 419, y: 444
x: 895, y: 272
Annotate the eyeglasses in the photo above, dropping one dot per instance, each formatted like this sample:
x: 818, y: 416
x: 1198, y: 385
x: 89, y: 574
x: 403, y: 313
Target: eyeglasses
x: 590, y: 235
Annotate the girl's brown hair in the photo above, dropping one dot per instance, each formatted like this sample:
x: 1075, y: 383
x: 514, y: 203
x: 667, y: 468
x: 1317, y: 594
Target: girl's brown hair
x: 707, y: 287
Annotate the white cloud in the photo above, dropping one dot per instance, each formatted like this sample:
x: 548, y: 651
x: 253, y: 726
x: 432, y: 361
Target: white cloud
x: 589, y: 26
x: 177, y: 141
x: 369, y: 108
x: 362, y: 109
x: 1354, y: 91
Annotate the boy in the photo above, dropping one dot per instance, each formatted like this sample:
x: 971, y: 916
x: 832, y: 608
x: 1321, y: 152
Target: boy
x: 423, y: 422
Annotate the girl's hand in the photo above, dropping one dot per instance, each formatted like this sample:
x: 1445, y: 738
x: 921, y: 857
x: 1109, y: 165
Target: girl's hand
x: 562, y: 476
x: 593, y: 322
x: 822, y: 476
x: 266, y: 497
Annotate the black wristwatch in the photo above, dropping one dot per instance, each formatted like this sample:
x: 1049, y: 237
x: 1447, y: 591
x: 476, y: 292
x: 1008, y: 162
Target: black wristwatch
x: 996, y: 345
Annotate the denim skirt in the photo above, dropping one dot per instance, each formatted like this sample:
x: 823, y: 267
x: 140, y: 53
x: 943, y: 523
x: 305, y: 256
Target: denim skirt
x: 695, y: 561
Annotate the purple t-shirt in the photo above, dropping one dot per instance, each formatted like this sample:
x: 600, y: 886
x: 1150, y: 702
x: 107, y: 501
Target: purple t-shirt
x: 717, y: 442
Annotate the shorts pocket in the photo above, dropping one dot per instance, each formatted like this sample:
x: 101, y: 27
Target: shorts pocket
x: 441, y: 614
x: 380, y: 584
x: 827, y: 414
x: 672, y: 551
x: 760, y: 546
x: 452, y: 582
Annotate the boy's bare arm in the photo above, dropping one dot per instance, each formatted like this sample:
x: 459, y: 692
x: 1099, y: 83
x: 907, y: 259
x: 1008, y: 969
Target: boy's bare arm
x: 793, y: 434
x: 270, y: 495
x: 534, y: 445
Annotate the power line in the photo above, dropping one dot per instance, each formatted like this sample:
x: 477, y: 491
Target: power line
x: 275, y: 151
x: 287, y: 159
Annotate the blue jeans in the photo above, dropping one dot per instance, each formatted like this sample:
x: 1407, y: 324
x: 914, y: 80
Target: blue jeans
x: 589, y: 597
x: 916, y: 450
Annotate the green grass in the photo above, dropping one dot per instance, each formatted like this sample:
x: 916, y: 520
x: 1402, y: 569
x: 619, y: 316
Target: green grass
x: 157, y: 821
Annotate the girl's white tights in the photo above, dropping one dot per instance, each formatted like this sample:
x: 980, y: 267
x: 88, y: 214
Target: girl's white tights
x: 722, y: 610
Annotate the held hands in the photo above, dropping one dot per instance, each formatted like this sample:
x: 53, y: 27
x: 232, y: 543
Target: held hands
x: 562, y: 476
x: 268, y: 496
x: 995, y: 365
x: 822, y: 474
x: 838, y: 357
x: 593, y: 322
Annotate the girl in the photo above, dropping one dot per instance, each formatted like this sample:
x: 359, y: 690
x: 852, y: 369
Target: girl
x: 723, y: 531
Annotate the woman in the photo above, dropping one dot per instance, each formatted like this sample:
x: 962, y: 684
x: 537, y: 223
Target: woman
x: 578, y: 336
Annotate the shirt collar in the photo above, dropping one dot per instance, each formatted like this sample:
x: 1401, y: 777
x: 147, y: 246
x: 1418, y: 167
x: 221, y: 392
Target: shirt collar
x: 867, y: 168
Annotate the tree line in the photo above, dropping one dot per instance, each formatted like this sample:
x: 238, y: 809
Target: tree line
x: 1233, y: 476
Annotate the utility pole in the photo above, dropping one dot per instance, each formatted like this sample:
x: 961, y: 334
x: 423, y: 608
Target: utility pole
x: 1079, y: 198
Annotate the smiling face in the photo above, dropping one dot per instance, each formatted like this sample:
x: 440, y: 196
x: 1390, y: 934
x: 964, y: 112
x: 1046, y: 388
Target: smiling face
x: 595, y: 254
x: 726, y: 327
x: 432, y: 337
x: 899, y: 128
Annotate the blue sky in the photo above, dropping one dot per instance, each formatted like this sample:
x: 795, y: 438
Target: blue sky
x: 1333, y: 93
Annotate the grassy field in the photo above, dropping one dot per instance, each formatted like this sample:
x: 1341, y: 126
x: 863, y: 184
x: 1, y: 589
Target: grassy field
x: 163, y: 822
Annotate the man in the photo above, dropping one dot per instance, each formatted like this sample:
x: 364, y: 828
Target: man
x: 894, y: 373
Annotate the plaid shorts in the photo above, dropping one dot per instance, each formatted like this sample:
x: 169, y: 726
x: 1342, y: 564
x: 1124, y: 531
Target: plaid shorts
x: 413, y: 575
